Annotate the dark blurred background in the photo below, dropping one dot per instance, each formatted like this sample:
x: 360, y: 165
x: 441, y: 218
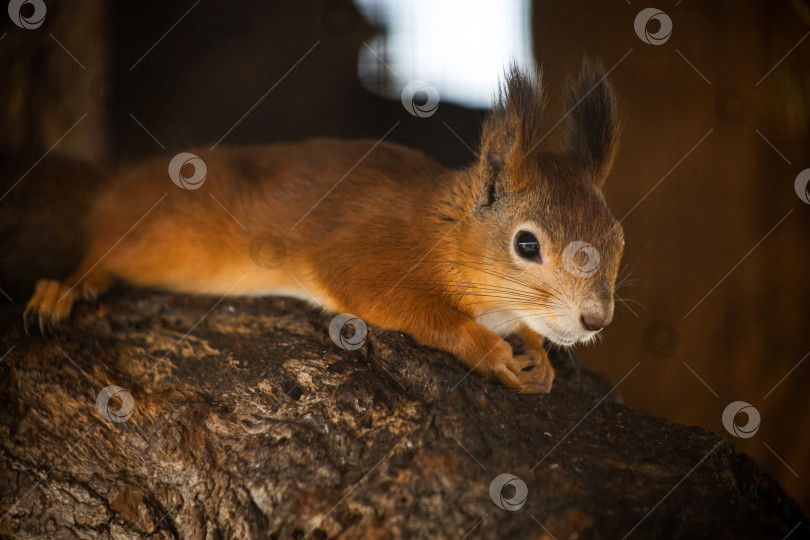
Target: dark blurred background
x: 716, y: 130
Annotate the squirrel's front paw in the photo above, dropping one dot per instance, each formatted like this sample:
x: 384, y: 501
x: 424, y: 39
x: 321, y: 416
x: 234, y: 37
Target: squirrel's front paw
x: 530, y: 362
x: 536, y: 373
x: 530, y: 371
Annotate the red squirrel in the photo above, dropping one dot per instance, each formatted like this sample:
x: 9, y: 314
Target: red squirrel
x: 481, y: 262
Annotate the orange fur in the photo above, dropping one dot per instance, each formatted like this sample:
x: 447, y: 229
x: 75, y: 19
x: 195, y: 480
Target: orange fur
x: 400, y: 242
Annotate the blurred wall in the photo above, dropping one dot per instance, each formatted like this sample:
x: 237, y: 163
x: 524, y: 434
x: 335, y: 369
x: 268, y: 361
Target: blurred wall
x: 717, y: 240
x: 55, y: 81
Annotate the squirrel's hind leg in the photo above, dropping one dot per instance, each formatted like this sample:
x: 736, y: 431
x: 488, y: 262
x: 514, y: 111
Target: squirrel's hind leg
x: 52, y: 300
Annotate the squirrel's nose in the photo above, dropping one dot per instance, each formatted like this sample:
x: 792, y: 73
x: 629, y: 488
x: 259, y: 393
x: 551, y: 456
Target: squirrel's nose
x: 592, y: 322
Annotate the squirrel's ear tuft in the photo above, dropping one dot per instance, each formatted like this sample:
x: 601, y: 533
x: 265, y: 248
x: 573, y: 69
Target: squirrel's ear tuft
x: 513, y: 125
x: 594, y: 125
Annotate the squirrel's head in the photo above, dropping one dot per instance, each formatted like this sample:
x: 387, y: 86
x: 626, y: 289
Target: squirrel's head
x: 555, y: 246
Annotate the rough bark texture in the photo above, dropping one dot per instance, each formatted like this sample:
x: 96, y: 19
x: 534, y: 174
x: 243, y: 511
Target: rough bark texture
x: 249, y: 422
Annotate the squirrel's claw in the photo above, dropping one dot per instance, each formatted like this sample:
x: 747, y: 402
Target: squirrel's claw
x: 33, y: 318
x: 50, y: 304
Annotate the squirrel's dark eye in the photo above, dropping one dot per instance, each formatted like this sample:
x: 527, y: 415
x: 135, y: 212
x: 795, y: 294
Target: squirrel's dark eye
x: 527, y: 245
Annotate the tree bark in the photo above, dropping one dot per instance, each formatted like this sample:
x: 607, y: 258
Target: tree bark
x: 247, y: 421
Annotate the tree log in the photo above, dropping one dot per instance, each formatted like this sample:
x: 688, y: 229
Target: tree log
x: 247, y: 421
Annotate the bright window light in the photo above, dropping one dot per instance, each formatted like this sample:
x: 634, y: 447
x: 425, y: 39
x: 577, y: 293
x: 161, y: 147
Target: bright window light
x: 461, y: 47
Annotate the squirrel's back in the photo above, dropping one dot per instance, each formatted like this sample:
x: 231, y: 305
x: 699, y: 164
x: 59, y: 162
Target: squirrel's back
x: 290, y: 177
x: 312, y: 203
